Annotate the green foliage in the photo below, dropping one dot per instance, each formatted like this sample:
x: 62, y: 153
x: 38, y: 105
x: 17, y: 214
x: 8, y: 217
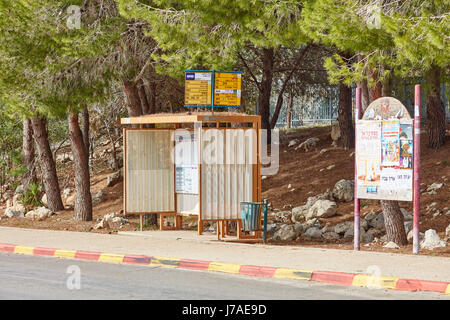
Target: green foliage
x: 31, y: 196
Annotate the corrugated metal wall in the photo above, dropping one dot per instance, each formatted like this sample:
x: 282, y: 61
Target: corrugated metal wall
x: 149, y: 171
x: 224, y: 184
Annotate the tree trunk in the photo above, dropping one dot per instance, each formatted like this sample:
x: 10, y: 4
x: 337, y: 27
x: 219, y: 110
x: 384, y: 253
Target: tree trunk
x: 48, y: 167
x: 85, y: 129
x: 345, y: 116
x: 28, y: 155
x: 83, y: 199
x: 435, y: 110
x: 393, y: 221
x: 273, y: 121
x: 265, y: 89
x: 133, y: 101
x: 143, y: 98
x: 289, y: 112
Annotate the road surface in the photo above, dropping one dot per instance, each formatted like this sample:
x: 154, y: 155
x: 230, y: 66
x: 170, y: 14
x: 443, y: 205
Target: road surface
x: 32, y: 277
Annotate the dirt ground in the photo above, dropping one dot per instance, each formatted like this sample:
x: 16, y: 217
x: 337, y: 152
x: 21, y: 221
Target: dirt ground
x: 308, y: 176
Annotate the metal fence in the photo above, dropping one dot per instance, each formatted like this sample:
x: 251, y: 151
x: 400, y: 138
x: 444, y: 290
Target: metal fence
x: 322, y: 108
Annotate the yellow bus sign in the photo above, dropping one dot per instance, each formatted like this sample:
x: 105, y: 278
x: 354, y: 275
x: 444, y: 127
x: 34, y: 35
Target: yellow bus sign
x: 227, y: 88
x: 198, y: 88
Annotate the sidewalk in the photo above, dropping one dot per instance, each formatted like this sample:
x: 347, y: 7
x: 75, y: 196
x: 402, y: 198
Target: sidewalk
x: 191, y: 246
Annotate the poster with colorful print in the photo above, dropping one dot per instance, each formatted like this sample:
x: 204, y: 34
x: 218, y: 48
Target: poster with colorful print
x: 390, y: 148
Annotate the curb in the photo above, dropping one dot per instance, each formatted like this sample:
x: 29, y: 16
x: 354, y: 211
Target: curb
x: 340, y: 278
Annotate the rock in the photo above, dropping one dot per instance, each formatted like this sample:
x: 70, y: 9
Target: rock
x: 281, y: 216
x: 351, y: 231
x: 323, y: 151
x: 391, y: 245
x: 103, y: 224
x: 330, y: 235
x: 44, y: 200
x: 70, y: 200
x: 66, y: 192
x: 308, y: 144
x: 331, y: 167
x: 272, y: 228
x: 41, y: 213
x: 110, y: 161
x: 293, y: 143
x: 97, y: 197
x: 327, y: 228
x: 19, y: 189
x: 378, y: 222
x: 114, y: 178
x: 447, y: 231
x: 367, y: 237
x: 431, y: 240
x: 364, y: 224
x: 410, y: 235
x: 406, y: 215
x: 64, y: 158
x: 408, y: 226
x: 434, y: 186
x: 288, y: 232
x: 299, y: 213
x: 314, y: 222
x: 322, y: 209
x: 370, y: 216
x: 312, y: 233
x: 374, y: 232
x: 17, y: 212
x: 341, y: 228
x: 343, y: 190
x: 17, y: 200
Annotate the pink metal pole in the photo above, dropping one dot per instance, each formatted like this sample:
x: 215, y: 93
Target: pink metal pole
x: 356, y: 241
x: 416, y: 188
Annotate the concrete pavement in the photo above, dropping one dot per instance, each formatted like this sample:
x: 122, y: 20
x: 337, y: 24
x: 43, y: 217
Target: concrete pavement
x: 33, y: 277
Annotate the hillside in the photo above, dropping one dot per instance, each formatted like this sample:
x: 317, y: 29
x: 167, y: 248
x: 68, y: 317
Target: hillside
x: 301, y: 175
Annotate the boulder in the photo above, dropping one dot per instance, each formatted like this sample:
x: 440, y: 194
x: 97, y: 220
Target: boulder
x: 330, y: 235
x: 370, y: 216
x: 410, y: 235
x: 114, y: 178
x: 288, y: 232
x: 15, y: 211
x: 97, y: 197
x: 378, y: 222
x: 351, y: 231
x: 312, y: 233
x: 103, y: 224
x: 367, y: 237
x: 308, y: 144
x: 281, y: 216
x: 391, y: 245
x: 341, y: 228
x: 19, y: 189
x: 406, y: 215
x: 374, y: 232
x: 66, y: 192
x: 431, y: 240
x: 408, y: 226
x: 343, y: 190
x: 40, y: 213
x: 44, y: 200
x: 293, y: 142
x: 322, y: 209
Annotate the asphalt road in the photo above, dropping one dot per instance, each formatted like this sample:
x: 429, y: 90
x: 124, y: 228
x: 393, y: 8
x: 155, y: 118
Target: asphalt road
x: 31, y: 277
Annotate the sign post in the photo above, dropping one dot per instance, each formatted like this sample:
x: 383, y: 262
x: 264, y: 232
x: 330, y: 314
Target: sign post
x: 416, y: 211
x: 387, y: 147
x: 356, y: 242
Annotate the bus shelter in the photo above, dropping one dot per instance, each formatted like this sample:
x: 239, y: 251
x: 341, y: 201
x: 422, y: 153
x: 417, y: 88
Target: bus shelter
x: 202, y: 164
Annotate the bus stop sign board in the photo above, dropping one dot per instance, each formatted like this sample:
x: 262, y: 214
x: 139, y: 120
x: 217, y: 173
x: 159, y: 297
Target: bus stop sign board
x: 206, y: 88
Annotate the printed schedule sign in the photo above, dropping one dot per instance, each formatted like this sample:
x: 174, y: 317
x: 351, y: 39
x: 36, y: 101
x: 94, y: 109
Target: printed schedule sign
x: 384, y: 157
x: 198, y: 86
x: 227, y: 89
x: 213, y: 88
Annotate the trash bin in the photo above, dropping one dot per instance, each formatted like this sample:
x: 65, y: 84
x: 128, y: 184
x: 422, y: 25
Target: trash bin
x: 251, y: 215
